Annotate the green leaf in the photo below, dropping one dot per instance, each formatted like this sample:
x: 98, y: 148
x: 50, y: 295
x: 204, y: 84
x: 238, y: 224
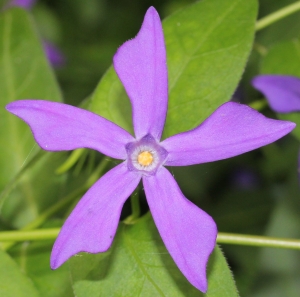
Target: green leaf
x: 37, y: 188
x: 110, y: 101
x: 25, y: 73
x: 138, y: 264
x: 284, y: 58
x: 34, y: 259
x: 280, y: 265
x: 13, y: 281
x: 207, y: 47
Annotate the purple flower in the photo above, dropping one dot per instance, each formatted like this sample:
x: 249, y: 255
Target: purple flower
x: 188, y: 232
x: 281, y: 91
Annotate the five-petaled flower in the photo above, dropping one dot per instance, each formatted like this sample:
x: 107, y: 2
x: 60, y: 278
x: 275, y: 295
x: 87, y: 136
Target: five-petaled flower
x: 188, y: 232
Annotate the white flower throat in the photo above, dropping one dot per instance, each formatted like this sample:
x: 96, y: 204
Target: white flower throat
x: 145, y: 155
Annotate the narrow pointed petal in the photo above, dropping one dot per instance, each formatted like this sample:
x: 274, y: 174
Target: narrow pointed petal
x: 92, y: 225
x: 142, y: 67
x: 187, y: 231
x: 281, y: 91
x: 231, y: 130
x: 58, y: 126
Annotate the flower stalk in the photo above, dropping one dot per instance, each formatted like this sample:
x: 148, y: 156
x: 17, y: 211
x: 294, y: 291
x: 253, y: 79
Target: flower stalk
x: 135, y: 208
x: 258, y: 241
x: 259, y: 105
x: 223, y: 238
x: 70, y: 162
x: 277, y: 16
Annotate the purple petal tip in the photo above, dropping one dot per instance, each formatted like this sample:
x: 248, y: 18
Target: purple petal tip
x: 281, y: 91
x: 140, y: 63
x: 187, y: 231
x: 57, y: 126
x: 92, y: 224
x: 233, y: 129
x: 53, y: 264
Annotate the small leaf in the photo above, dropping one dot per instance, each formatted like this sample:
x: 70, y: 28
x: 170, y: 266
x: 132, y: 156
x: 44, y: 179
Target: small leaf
x: 284, y: 58
x: 34, y: 260
x: 207, y: 47
x: 37, y: 188
x: 138, y: 264
x: 25, y: 73
x: 13, y: 281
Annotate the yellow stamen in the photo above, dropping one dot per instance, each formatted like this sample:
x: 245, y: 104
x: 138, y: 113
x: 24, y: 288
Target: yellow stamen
x: 145, y: 158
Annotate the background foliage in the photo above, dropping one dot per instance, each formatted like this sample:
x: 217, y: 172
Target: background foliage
x: 210, y: 50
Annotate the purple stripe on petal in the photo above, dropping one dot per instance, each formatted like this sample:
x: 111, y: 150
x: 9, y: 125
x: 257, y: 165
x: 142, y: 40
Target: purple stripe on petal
x: 281, y: 91
x: 141, y: 66
x: 58, y: 126
x: 92, y: 225
x: 187, y: 231
x: 231, y: 130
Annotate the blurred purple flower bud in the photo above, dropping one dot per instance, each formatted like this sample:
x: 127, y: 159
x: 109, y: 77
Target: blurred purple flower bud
x: 26, y: 4
x: 54, y: 54
x: 245, y: 179
x: 281, y: 91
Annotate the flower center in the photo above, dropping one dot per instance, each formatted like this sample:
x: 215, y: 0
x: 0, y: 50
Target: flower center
x: 145, y: 155
x: 145, y: 158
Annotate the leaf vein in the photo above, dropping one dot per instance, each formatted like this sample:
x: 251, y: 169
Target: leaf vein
x: 188, y: 58
x: 140, y: 263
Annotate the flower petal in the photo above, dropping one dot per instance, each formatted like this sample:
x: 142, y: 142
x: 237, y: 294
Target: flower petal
x: 231, y: 130
x: 187, y: 231
x: 281, y: 91
x: 141, y: 66
x: 58, y: 126
x: 54, y: 54
x: 92, y: 225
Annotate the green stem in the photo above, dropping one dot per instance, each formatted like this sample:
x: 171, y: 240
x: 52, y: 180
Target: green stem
x: 72, y: 159
x: 260, y: 241
x: 262, y: 50
x: 259, y: 104
x: 60, y: 204
x: 47, y: 214
x: 40, y: 234
x: 277, y: 15
x: 135, y: 205
x: 135, y: 208
x: 13, y: 182
x: 54, y: 209
x: 98, y: 172
x: 225, y: 238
